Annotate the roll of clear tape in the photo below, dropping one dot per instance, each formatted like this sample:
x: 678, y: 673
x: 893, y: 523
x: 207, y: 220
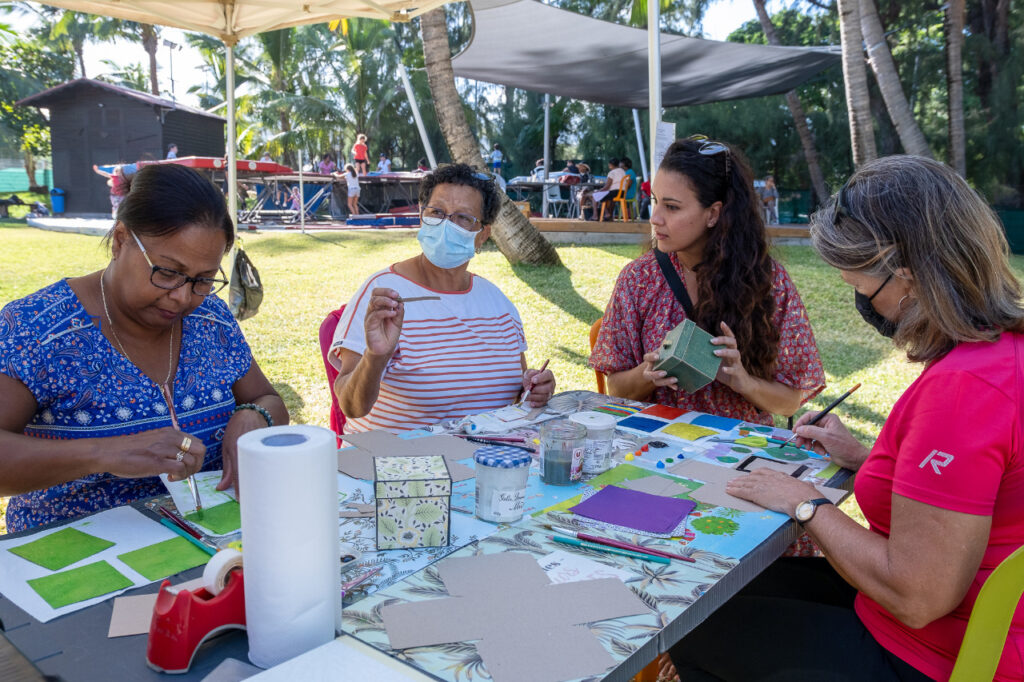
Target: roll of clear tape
x: 215, y: 575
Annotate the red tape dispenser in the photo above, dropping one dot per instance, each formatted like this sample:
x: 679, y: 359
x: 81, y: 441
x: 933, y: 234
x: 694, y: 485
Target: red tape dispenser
x: 184, y: 619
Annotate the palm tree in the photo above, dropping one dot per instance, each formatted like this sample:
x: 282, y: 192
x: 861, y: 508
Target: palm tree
x: 880, y: 58
x: 955, y: 85
x: 515, y: 236
x: 796, y: 109
x: 858, y: 97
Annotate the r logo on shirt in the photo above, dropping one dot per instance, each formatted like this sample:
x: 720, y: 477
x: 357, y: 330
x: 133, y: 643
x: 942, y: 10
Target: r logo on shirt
x: 938, y: 460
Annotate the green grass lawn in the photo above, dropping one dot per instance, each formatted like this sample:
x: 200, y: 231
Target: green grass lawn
x: 305, y: 277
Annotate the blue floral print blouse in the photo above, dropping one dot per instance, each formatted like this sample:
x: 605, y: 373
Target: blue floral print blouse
x: 85, y: 388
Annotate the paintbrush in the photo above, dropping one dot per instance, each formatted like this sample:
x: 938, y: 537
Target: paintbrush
x: 413, y: 299
x: 193, y: 488
x: 360, y: 580
x: 607, y: 549
x: 526, y: 393
x: 817, y: 417
x: 618, y: 543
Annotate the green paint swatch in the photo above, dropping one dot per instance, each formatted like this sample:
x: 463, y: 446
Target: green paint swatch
x: 753, y: 441
x: 79, y: 584
x: 60, y: 549
x: 220, y: 520
x: 165, y: 558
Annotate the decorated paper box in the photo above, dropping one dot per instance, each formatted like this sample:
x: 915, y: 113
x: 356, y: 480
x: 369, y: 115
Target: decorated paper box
x: 414, y: 496
x: 688, y: 355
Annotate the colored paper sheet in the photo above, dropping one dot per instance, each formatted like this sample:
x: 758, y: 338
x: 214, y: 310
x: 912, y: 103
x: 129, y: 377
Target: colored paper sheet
x: 635, y: 509
x: 753, y: 441
x: 663, y: 411
x: 220, y: 520
x: 165, y: 558
x: 79, y: 584
x: 715, y: 422
x: 687, y: 431
x: 641, y: 424
x: 62, y: 548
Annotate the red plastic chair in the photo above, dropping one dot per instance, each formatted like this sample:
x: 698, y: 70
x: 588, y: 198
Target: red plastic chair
x: 327, y: 328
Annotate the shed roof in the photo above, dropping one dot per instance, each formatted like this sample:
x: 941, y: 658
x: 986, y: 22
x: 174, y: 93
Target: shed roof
x: 50, y: 95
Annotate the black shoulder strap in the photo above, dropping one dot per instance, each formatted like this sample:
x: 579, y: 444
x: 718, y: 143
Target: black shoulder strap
x: 674, y: 282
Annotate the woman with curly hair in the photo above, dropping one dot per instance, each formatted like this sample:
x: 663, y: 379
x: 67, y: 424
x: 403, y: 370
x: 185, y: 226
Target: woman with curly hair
x: 709, y: 234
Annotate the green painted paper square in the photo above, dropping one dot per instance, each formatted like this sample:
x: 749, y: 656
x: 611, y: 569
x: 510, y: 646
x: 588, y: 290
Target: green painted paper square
x: 79, y: 584
x: 165, y: 558
x: 60, y: 549
x: 220, y: 520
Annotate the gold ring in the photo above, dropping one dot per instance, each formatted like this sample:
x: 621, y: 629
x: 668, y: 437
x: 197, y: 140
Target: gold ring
x: 181, y: 455
x: 186, y: 443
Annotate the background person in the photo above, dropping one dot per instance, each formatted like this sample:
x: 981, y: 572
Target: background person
x: 943, y: 486
x: 403, y: 367
x: 84, y: 422
x: 496, y: 158
x: 352, y: 180
x: 172, y: 151
x: 361, y: 155
x: 770, y: 201
x: 326, y: 165
x: 384, y: 165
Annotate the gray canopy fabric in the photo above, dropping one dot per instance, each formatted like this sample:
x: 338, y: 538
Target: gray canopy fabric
x: 533, y: 46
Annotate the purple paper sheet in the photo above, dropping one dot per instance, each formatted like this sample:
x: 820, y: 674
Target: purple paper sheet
x: 635, y: 509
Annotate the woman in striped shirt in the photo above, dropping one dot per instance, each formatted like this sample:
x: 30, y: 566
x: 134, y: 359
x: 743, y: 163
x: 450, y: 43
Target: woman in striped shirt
x: 459, y: 351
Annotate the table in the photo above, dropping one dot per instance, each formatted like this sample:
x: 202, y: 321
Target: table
x: 76, y: 647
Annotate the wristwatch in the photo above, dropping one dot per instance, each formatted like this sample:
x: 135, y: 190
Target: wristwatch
x: 805, y: 510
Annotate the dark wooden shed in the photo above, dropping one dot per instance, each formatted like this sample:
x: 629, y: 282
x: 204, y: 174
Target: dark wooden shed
x: 92, y: 122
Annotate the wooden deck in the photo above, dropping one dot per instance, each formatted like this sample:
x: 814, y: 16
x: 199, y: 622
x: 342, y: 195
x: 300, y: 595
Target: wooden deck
x: 642, y: 228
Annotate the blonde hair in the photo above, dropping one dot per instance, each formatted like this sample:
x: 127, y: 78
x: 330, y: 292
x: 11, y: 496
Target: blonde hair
x: 916, y: 213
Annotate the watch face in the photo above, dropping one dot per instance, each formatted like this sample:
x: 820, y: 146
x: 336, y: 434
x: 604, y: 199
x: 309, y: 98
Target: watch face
x: 804, y: 511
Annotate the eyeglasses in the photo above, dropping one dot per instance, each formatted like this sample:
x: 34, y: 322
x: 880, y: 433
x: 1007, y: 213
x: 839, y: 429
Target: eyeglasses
x: 433, y: 216
x: 165, y: 278
x: 842, y: 211
x: 710, y: 148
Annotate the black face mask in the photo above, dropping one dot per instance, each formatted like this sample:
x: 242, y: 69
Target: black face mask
x: 882, y: 325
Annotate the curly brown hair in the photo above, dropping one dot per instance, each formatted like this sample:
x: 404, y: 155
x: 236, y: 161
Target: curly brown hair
x: 735, y: 273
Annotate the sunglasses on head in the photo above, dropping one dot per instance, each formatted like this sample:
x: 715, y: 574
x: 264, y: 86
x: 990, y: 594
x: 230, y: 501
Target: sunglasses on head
x: 709, y: 147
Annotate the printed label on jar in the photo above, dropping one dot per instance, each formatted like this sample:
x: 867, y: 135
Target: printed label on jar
x: 507, y: 505
x: 595, y: 459
x: 577, y: 464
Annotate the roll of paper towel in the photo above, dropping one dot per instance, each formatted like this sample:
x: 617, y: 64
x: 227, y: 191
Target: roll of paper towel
x: 288, y: 484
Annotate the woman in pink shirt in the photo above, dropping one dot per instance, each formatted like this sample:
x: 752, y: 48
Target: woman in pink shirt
x: 943, y: 486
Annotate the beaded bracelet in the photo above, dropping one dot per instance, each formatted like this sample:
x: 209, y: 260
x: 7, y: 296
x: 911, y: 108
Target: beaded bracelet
x: 264, y: 412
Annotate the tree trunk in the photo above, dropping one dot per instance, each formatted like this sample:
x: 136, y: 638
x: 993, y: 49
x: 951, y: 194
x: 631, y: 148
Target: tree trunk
x: 796, y: 109
x: 516, y: 237
x: 79, y: 47
x: 955, y: 85
x: 150, y: 43
x: 884, y: 68
x: 858, y: 97
x: 29, y: 161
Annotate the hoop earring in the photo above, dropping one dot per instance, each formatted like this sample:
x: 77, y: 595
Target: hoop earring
x: 899, y: 305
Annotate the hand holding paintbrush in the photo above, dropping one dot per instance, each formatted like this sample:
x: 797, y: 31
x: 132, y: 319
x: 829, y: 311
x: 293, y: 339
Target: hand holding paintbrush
x: 825, y: 434
x: 538, y: 384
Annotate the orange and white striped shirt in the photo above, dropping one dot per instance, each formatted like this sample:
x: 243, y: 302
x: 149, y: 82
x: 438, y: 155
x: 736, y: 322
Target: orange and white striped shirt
x: 457, y: 356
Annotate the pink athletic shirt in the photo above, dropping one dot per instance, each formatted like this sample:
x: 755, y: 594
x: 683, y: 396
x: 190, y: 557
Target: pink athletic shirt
x: 953, y: 440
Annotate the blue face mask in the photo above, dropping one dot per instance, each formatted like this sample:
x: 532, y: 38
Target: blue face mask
x: 447, y: 245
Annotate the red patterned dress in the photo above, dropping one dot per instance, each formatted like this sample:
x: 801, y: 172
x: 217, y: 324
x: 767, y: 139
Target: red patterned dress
x: 643, y: 309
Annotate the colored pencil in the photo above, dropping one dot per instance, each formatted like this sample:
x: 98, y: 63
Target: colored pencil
x: 180, y: 522
x: 621, y: 545
x: 575, y: 542
x: 502, y: 439
x: 360, y: 580
x: 169, y: 399
x: 526, y: 393
x: 502, y: 443
x: 412, y: 299
x: 201, y: 545
x: 828, y: 409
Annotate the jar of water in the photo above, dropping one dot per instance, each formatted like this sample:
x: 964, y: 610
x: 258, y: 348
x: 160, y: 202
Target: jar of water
x: 562, y: 444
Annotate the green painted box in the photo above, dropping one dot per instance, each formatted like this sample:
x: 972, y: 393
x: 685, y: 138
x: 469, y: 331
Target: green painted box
x: 414, y: 501
x: 688, y: 355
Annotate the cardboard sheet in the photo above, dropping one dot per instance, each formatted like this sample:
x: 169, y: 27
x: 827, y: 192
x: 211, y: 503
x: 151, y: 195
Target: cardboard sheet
x: 61, y: 548
x: 656, y: 485
x: 715, y: 477
x: 357, y: 511
x: 131, y: 615
x: 634, y: 509
x: 358, y: 462
x: 527, y: 614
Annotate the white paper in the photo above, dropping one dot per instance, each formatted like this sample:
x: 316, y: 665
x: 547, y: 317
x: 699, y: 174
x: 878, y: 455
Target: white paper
x: 207, y: 482
x: 289, y: 505
x: 563, y: 567
x: 346, y: 658
x: 126, y: 527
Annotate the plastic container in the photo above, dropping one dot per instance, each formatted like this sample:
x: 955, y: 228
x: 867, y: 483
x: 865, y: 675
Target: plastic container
x: 562, y: 444
x: 597, y: 454
x: 57, y: 200
x: 501, y: 475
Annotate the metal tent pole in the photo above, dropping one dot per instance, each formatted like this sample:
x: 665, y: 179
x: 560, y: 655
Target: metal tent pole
x: 640, y: 144
x: 416, y: 113
x: 547, y: 161
x: 654, y: 74
x: 302, y: 196
x: 232, y: 175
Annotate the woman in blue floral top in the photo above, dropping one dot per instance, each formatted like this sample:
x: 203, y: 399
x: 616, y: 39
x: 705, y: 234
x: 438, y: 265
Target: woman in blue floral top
x: 89, y: 365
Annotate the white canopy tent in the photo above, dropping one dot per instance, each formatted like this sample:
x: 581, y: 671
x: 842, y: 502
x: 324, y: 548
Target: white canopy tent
x: 232, y: 20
